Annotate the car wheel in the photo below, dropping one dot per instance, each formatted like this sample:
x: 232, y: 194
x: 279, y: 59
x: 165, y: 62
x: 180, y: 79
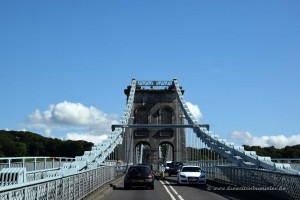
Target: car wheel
x: 170, y: 174
x: 178, y: 182
x: 152, y: 187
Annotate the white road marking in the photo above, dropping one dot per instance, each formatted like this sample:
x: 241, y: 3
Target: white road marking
x: 176, y: 193
x: 172, y: 197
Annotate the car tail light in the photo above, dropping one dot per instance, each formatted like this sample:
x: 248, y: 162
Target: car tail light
x: 149, y: 176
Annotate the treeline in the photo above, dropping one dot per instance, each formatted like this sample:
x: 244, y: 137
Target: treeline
x: 286, y: 152
x: 201, y: 154
x: 21, y: 143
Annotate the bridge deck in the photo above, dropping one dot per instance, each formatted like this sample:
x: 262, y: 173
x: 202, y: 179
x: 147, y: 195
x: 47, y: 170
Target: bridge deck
x: 168, y: 189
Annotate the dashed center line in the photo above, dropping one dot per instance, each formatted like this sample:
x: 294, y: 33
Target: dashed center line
x: 176, y: 193
x: 168, y: 191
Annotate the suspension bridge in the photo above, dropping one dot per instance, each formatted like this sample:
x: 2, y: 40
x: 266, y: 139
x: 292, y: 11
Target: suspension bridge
x: 152, y: 130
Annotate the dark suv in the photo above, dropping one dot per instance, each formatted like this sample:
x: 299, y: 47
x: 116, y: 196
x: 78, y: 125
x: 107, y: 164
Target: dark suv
x: 174, y: 168
x: 139, y: 175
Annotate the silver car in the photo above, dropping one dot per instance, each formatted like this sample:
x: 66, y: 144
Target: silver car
x: 190, y: 174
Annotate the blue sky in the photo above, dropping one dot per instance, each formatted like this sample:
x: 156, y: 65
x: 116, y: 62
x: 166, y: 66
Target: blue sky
x: 64, y: 64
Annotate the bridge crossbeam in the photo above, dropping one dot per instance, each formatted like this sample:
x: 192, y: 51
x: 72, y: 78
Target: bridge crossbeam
x: 159, y: 126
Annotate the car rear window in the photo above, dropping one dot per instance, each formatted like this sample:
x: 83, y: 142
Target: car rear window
x: 169, y: 164
x: 138, y: 170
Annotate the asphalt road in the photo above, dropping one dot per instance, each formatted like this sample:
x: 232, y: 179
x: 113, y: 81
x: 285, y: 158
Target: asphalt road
x: 168, y: 189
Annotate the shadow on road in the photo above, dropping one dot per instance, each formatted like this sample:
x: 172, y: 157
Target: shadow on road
x: 173, y: 183
x: 131, y: 188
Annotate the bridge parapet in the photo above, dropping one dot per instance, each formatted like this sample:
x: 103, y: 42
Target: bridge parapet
x: 264, y: 158
x: 282, y: 166
x: 82, y: 158
x: 92, y: 165
x: 11, y: 176
x: 51, y: 174
x: 96, y: 152
x: 68, y: 186
x: 250, y: 153
x: 33, y: 163
x: 239, y: 148
x: 129, y: 105
x: 284, y: 185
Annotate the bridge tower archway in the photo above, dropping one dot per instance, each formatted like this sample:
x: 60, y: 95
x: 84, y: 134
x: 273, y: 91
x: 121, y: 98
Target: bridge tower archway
x: 166, y: 152
x: 142, y: 153
x: 153, y: 105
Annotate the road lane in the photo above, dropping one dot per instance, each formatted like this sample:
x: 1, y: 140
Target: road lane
x: 168, y: 189
x: 193, y: 192
x: 211, y: 191
x: 139, y: 193
x: 163, y: 190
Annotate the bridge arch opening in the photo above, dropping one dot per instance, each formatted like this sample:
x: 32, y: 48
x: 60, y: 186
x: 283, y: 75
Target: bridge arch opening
x: 142, y: 153
x: 166, y: 152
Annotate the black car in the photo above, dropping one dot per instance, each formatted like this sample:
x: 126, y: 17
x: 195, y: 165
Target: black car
x: 139, y: 175
x: 174, y: 168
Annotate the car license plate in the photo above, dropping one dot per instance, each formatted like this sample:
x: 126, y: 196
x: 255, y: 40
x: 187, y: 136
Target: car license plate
x: 192, y: 179
x: 140, y: 180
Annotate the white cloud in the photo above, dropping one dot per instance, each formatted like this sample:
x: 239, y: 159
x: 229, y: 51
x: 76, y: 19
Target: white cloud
x: 278, y: 141
x: 96, y: 139
x: 77, y: 120
x: 195, y: 110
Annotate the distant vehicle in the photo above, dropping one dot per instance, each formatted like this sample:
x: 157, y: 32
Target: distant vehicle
x: 167, y: 166
x: 191, y: 175
x: 174, y: 168
x: 139, y: 175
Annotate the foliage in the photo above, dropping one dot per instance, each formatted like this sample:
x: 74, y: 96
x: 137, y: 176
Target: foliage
x: 164, y: 149
x: 286, y: 152
x: 21, y: 143
x: 201, y: 154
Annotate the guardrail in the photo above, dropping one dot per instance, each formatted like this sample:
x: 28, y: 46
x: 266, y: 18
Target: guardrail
x: 34, y: 163
x: 282, y: 184
x: 74, y: 186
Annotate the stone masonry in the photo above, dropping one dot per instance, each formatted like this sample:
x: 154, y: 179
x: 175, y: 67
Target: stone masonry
x: 155, y: 106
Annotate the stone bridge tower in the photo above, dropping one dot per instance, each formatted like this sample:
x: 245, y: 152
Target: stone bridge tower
x: 155, y: 103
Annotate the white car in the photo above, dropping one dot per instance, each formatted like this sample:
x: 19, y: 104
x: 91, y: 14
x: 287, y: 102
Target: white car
x: 190, y: 174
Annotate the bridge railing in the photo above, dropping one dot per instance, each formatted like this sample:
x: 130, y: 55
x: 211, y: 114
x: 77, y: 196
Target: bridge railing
x: 73, y: 186
x: 282, y: 184
x: 39, y: 174
x: 33, y: 163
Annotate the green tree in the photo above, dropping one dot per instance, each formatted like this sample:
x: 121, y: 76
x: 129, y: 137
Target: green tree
x: 14, y: 149
x: 20, y: 143
x: 164, y: 149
